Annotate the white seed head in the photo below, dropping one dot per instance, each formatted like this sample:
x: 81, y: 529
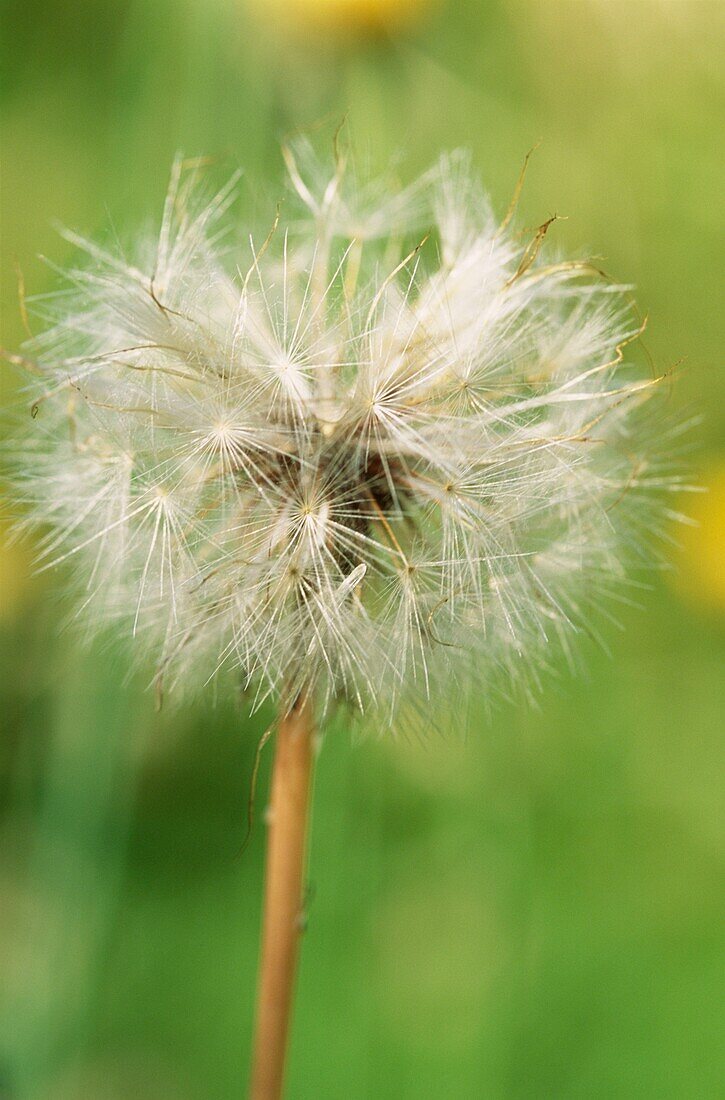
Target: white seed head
x: 385, y: 452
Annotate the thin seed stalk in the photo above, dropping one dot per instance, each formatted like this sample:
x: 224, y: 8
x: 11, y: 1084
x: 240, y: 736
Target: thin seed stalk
x: 283, y: 898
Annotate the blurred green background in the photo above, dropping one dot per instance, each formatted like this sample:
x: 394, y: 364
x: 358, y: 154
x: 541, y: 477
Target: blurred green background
x: 531, y: 911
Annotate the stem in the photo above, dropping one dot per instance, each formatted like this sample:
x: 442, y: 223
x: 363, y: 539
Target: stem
x: 281, y: 921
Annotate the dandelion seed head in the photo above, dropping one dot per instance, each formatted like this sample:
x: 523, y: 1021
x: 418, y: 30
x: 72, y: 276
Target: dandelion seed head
x: 388, y: 451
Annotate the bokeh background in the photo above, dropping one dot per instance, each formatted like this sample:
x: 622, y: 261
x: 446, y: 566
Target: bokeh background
x: 531, y: 911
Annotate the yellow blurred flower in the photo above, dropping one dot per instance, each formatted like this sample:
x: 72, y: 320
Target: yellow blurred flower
x: 348, y: 17
x: 701, y: 565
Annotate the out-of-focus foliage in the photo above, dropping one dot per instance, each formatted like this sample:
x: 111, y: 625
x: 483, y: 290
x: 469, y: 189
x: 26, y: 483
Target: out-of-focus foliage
x: 532, y: 911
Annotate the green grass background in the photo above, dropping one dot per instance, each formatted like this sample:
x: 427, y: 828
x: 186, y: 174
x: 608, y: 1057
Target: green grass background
x: 531, y: 911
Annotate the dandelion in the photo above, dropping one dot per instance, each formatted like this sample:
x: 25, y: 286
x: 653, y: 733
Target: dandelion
x: 383, y: 454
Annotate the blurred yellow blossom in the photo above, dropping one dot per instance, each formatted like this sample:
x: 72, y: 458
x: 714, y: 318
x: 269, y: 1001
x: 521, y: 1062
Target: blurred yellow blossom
x: 342, y: 17
x: 701, y: 566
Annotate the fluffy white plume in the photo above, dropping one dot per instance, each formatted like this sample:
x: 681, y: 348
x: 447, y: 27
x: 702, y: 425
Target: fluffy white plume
x: 385, y: 452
